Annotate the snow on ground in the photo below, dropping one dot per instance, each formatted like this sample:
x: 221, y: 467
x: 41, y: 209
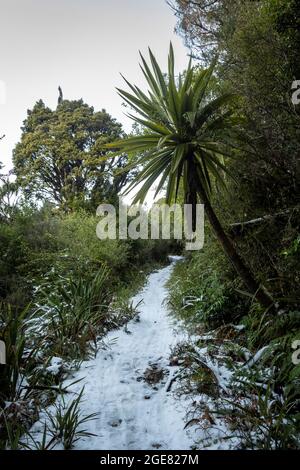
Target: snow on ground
x: 132, y: 413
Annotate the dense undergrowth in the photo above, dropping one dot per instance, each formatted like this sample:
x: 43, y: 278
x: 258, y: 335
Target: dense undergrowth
x: 68, y: 289
x: 256, y: 396
x: 61, y: 289
x: 260, y: 403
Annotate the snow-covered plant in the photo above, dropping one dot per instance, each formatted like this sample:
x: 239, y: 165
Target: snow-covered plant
x: 76, y: 310
x: 66, y: 423
x: 12, y: 331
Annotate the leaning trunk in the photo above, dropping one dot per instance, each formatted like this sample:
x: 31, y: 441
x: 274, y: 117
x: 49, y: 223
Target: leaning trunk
x: 254, y: 288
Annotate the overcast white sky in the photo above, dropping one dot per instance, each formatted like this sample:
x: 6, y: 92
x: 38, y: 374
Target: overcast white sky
x: 82, y: 45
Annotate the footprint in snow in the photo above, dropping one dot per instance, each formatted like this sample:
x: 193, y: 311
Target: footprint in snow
x: 115, y: 423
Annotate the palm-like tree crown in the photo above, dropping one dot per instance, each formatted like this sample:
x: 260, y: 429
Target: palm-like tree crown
x: 183, y: 125
x: 188, y: 132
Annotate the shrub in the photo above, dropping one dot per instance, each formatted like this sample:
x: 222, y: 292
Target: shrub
x: 203, y: 289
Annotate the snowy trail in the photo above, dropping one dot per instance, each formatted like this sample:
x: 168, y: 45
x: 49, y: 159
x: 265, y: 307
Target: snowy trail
x: 127, y: 419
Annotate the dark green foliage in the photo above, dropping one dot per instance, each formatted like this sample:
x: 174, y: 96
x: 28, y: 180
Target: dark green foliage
x: 286, y: 20
x: 12, y: 332
x: 189, y: 134
x: 203, y: 289
x: 78, y: 286
x: 77, y: 308
x: 66, y: 424
x: 258, y: 43
x: 60, y: 157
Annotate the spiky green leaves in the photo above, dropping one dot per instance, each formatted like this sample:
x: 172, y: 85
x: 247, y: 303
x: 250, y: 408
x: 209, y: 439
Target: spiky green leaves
x: 182, y: 122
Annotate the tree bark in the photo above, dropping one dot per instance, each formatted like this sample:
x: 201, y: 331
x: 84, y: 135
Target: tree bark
x: 239, y: 227
x: 254, y: 288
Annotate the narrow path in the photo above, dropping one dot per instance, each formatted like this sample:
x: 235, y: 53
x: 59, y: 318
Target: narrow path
x: 133, y: 414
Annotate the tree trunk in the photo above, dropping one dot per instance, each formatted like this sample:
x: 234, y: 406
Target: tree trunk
x: 258, y: 291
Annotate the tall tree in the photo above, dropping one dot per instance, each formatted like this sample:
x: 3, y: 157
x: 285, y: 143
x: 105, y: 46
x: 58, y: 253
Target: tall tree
x: 187, y: 135
x: 8, y: 196
x: 203, y: 23
x: 258, y: 43
x: 60, y: 156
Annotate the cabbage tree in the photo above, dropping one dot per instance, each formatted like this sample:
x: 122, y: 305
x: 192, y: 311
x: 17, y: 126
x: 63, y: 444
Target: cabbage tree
x: 187, y: 138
